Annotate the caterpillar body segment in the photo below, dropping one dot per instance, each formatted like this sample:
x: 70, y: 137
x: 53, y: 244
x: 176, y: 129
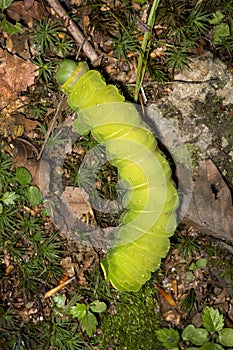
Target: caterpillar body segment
x: 151, y: 200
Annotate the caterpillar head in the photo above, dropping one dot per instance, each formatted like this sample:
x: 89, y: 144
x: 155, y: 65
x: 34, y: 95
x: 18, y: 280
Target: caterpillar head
x: 69, y: 72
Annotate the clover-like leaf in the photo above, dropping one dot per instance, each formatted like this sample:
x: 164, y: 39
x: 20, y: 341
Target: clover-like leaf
x: 197, y: 336
x: 211, y: 346
x: 34, y: 195
x: 23, y: 176
x: 169, y: 337
x: 226, y: 336
x: 98, y: 306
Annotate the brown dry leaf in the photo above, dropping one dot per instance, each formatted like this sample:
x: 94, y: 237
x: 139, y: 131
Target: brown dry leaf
x: 29, y: 125
x: 172, y: 316
x: 211, y: 208
x: 166, y: 296
x: 75, y: 200
x: 26, y: 11
x: 68, y: 266
x: 16, y: 75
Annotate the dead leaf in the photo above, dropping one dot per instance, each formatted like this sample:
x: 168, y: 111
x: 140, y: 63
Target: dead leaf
x: 172, y: 316
x: 16, y: 75
x: 68, y: 266
x: 28, y: 125
x: 166, y: 296
x: 211, y: 208
x: 74, y: 198
x: 26, y: 11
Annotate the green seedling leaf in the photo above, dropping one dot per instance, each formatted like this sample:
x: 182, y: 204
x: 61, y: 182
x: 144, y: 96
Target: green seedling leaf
x: 212, y: 320
x: 218, y: 17
x: 89, y: 323
x: 9, y: 198
x: 23, y: 176
x: 4, y: 4
x: 98, y: 306
x: 201, y: 263
x: 11, y: 28
x: 226, y: 336
x: 78, y: 311
x: 192, y: 267
x: 59, y: 300
x: 189, y: 276
x: 211, y: 346
x: 1, y: 208
x: 169, y: 337
x: 34, y: 196
x: 221, y: 31
x: 197, y: 336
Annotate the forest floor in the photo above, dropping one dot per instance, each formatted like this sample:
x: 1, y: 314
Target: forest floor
x: 46, y: 271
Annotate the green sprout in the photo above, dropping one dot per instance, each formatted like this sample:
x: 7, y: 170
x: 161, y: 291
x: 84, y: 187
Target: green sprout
x: 45, y: 68
x: 45, y: 35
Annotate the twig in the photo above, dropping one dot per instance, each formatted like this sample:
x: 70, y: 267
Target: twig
x: 75, y: 32
x: 53, y: 291
x: 50, y: 128
x: 29, y: 144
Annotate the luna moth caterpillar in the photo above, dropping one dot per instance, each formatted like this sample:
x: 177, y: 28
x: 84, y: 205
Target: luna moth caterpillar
x: 151, y: 199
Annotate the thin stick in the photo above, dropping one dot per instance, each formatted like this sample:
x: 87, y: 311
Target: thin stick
x: 142, y: 61
x: 75, y: 31
x: 53, y: 291
x: 50, y: 128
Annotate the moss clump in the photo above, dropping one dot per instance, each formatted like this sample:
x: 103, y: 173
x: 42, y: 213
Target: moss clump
x: 132, y: 323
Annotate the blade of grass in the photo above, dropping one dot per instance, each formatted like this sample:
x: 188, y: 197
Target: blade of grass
x: 142, y: 61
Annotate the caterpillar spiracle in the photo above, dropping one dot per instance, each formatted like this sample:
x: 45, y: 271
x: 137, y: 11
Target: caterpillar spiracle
x: 151, y: 198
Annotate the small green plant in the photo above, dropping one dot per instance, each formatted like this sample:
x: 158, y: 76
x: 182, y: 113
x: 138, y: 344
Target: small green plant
x: 187, y: 246
x: 199, y: 264
x: 48, y: 36
x: 85, y: 314
x: 63, y: 45
x: 32, y: 193
x: 20, y: 230
x: 212, y: 336
x: 6, y: 175
x: 221, y: 29
x: 125, y: 43
x: 45, y: 35
x: 45, y: 68
x: 178, y: 57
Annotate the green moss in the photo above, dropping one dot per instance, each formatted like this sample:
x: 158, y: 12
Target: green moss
x: 132, y: 322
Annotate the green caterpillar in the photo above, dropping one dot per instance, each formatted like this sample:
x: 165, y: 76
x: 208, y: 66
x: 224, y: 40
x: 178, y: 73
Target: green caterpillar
x: 151, y: 199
